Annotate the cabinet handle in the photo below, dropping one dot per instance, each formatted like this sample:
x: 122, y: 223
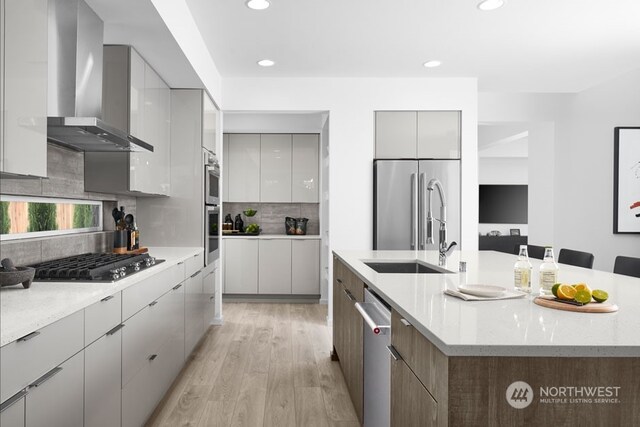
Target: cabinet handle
x: 13, y: 399
x: 176, y: 287
x: 181, y: 262
x: 116, y: 329
x: 29, y: 336
x: 195, y: 274
x: 46, y: 377
x: 405, y: 322
x: 349, y: 295
x: 151, y: 304
x: 339, y: 280
x: 152, y: 357
x: 212, y: 298
x: 105, y: 299
x: 394, y: 353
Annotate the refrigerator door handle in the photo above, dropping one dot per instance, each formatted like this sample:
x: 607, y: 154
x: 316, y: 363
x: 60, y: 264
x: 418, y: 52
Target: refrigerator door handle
x: 414, y: 202
x: 421, y: 201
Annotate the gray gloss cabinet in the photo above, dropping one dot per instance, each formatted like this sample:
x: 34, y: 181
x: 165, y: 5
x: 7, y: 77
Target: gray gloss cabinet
x: 417, y: 134
x: 57, y: 398
x: 193, y: 311
x: 102, y: 381
x: 23, y: 87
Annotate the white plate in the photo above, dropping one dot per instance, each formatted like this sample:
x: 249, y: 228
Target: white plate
x: 482, y: 290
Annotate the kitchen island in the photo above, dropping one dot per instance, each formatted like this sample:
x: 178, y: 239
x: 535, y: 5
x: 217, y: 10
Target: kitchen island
x: 504, y: 362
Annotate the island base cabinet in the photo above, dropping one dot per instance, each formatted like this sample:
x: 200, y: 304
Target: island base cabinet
x: 12, y: 411
x: 411, y: 403
x: 102, y: 381
x: 56, y: 398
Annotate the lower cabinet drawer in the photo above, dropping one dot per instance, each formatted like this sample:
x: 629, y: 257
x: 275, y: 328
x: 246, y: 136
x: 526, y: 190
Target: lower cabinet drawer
x: 39, y: 352
x: 193, y: 264
x: 12, y: 411
x: 102, y: 381
x: 56, y: 399
x: 135, y: 298
x: 411, y: 403
x: 102, y: 317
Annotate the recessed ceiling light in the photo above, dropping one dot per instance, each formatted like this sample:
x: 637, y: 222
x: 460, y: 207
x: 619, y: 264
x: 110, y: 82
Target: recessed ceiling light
x: 488, y: 5
x: 432, y: 64
x: 266, y: 63
x: 258, y: 4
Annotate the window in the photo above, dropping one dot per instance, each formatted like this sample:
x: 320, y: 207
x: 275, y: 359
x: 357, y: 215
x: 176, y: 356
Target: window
x: 24, y: 217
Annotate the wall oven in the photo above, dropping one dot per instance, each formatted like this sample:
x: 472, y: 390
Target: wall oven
x: 211, y: 234
x: 211, y: 180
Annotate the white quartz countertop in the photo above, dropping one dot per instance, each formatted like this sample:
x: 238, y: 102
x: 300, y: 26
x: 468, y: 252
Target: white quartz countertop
x: 23, y: 311
x: 515, y: 327
x: 274, y: 237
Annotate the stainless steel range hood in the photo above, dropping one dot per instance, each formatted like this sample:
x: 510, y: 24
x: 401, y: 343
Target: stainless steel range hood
x: 75, y: 82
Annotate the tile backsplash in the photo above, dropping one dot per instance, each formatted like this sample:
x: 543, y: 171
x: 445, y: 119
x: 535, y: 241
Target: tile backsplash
x: 270, y: 216
x: 65, y: 170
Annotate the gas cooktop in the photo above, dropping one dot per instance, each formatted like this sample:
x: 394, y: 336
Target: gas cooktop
x: 91, y: 267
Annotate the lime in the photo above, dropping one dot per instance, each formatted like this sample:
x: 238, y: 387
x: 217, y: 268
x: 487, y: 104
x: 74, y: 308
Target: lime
x: 566, y: 292
x: 600, y: 295
x: 554, y: 289
x: 583, y: 297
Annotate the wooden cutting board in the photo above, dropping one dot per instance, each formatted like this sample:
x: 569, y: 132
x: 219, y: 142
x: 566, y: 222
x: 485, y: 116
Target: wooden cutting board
x: 593, y: 307
x: 133, y: 252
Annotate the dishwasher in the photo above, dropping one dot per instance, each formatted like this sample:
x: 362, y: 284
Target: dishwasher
x: 377, y: 361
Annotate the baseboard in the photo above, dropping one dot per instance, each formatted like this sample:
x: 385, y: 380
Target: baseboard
x: 278, y: 299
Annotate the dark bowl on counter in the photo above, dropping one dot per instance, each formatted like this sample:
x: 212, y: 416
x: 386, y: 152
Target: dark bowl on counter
x: 22, y: 275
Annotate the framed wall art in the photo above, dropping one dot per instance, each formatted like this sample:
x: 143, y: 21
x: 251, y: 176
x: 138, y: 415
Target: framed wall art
x: 626, y: 178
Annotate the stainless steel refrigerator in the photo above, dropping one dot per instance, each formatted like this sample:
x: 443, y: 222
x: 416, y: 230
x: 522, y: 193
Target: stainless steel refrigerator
x: 400, y: 202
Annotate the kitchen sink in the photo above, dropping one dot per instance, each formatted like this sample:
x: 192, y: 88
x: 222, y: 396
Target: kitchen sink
x: 409, y: 267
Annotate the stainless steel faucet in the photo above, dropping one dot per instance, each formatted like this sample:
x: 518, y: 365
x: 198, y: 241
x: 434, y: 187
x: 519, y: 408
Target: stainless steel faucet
x: 443, y: 249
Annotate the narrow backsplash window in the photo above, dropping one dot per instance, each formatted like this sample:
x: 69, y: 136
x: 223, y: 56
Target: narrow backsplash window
x: 24, y: 217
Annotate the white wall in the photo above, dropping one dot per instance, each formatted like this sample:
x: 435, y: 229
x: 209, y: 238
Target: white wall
x: 351, y: 104
x: 503, y: 170
x: 584, y: 170
x: 273, y: 123
x: 573, y: 194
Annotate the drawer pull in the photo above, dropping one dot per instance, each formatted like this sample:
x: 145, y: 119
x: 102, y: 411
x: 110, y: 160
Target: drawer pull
x: 195, y: 274
x: 394, y: 353
x: 176, y: 287
x: 116, y: 329
x: 29, y: 336
x: 339, y: 280
x: 151, y: 304
x: 405, y: 322
x: 349, y: 295
x: 152, y: 357
x: 211, y: 298
x: 13, y: 399
x: 46, y: 377
x: 181, y: 262
x: 105, y: 299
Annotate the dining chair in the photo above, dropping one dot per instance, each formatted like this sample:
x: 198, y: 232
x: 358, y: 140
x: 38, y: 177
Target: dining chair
x: 627, y: 265
x: 577, y: 258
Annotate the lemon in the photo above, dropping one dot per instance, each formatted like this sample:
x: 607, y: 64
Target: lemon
x: 554, y: 289
x: 600, y: 295
x: 566, y: 292
x: 582, y: 287
x: 583, y: 296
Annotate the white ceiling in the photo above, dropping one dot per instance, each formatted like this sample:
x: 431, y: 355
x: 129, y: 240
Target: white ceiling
x: 528, y: 45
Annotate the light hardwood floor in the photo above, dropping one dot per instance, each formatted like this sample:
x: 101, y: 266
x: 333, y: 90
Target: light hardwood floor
x: 268, y: 365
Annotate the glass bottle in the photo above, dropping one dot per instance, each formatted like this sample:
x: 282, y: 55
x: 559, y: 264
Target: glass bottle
x: 548, y: 272
x: 522, y: 271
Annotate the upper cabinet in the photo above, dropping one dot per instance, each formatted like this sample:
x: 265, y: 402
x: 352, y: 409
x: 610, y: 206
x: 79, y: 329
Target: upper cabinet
x: 271, y: 168
x: 418, y: 135
x: 243, y: 164
x: 136, y: 100
x: 210, y: 123
x: 275, y: 168
x: 305, y: 178
x: 23, y: 87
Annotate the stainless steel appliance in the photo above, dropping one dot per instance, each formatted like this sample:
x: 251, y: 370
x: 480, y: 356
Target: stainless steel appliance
x: 211, y: 179
x: 400, y: 202
x: 377, y: 362
x: 211, y: 234
x: 98, y: 267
